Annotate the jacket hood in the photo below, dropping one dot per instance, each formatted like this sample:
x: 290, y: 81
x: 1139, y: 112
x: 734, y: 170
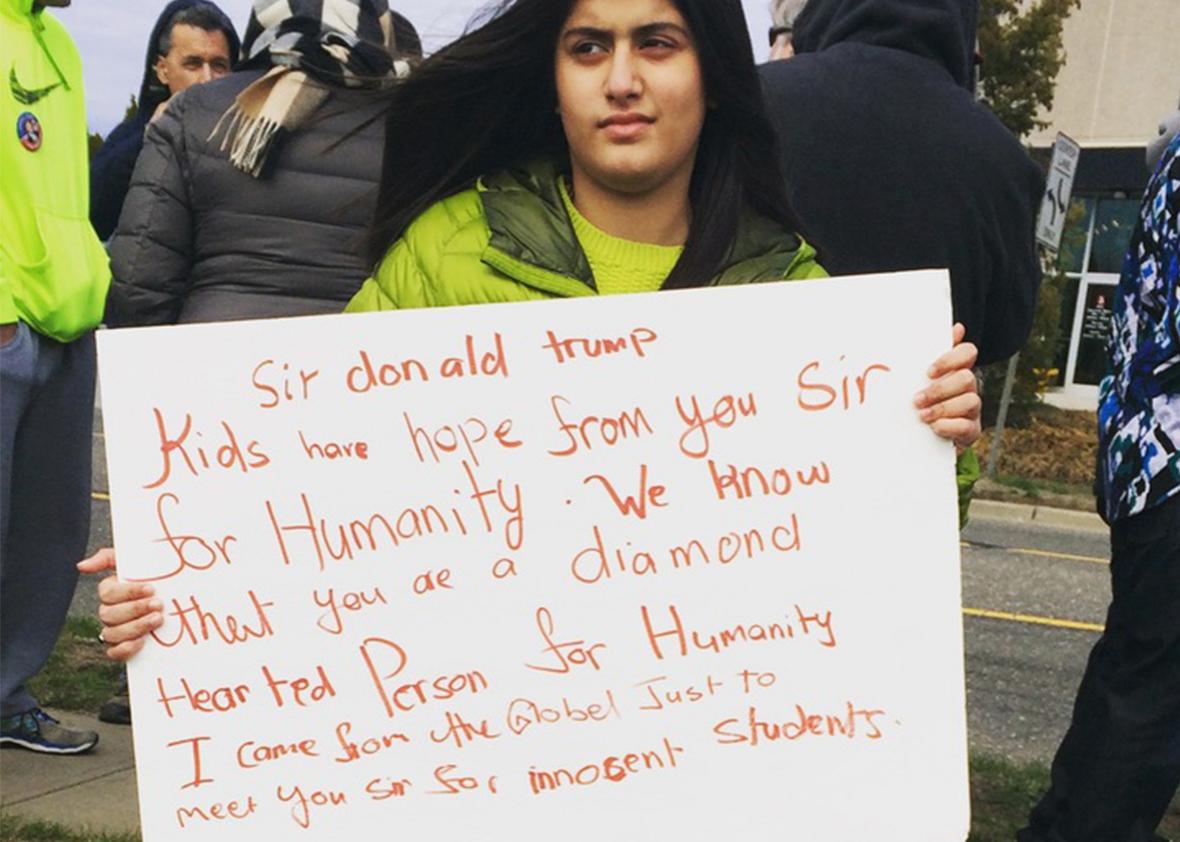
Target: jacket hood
x: 940, y: 30
x: 151, y: 91
x: 16, y: 8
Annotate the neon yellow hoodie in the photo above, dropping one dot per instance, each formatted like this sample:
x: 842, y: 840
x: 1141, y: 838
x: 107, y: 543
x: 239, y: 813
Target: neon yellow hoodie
x: 54, y: 272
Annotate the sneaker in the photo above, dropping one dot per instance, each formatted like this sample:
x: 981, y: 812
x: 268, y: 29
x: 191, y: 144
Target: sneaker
x: 38, y: 731
x: 116, y: 710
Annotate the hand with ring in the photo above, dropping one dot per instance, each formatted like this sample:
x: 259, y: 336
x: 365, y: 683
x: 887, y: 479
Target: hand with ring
x: 129, y: 611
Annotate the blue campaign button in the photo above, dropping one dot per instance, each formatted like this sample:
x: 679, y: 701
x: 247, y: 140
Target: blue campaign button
x: 28, y: 131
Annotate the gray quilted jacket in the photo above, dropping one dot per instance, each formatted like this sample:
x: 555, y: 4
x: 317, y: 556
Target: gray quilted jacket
x: 199, y: 241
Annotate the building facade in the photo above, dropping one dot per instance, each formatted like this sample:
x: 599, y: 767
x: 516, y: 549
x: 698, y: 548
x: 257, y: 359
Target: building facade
x: 1120, y: 80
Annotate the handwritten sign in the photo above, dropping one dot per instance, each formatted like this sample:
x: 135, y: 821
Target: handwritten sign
x: 673, y: 566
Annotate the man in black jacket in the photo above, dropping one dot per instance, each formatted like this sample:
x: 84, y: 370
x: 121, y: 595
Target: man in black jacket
x: 891, y: 164
x: 192, y: 42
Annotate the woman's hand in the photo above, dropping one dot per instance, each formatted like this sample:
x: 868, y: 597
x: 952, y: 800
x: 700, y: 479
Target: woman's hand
x: 951, y: 404
x: 129, y: 611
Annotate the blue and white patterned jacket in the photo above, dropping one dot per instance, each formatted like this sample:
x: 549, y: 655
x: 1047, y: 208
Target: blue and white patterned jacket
x: 1139, y: 403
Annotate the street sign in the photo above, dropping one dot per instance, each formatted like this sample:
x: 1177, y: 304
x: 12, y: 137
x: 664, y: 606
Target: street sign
x: 1058, y: 187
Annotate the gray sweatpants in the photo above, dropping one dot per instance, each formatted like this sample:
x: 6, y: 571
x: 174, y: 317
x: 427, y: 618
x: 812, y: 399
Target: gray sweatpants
x: 46, y: 421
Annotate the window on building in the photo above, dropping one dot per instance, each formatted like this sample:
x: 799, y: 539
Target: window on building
x: 1114, y: 221
x: 1097, y: 235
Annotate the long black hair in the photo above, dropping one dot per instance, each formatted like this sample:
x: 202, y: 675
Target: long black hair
x: 486, y: 102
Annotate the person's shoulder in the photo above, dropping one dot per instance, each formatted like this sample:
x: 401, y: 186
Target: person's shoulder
x: 128, y: 134
x: 216, y: 95
x: 456, y: 223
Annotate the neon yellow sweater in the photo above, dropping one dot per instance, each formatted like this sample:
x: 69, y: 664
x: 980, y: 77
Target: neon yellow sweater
x: 53, y: 270
x: 620, y: 265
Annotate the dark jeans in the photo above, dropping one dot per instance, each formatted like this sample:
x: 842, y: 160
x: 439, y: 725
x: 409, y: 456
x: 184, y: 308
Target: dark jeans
x: 1119, y: 765
x: 46, y: 416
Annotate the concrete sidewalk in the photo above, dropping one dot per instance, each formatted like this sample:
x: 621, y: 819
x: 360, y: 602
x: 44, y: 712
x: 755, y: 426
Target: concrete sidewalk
x: 94, y: 791
x: 98, y: 790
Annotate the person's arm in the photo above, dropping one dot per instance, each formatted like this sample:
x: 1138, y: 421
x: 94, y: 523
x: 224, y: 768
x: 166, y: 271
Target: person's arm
x: 399, y: 283
x: 152, y: 250
x: 8, y: 312
x: 110, y: 176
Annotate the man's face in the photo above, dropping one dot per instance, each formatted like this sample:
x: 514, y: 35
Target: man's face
x: 197, y: 55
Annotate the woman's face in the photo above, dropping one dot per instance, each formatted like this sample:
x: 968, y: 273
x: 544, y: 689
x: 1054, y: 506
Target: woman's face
x: 630, y: 93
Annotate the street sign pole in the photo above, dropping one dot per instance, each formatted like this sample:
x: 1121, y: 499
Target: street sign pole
x: 1050, y: 227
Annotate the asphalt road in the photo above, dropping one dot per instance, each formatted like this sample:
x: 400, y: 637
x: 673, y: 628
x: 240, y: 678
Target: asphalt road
x: 1023, y: 669
x: 1024, y: 659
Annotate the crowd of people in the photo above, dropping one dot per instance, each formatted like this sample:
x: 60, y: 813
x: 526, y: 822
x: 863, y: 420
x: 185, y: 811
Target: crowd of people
x: 560, y: 148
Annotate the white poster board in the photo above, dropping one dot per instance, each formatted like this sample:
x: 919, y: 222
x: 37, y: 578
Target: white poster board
x: 673, y: 566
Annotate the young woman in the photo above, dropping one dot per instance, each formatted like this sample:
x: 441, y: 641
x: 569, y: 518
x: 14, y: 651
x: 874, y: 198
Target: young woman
x: 580, y: 147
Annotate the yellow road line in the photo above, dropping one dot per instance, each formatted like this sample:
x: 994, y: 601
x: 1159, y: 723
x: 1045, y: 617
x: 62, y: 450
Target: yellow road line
x: 1041, y: 553
x: 99, y: 495
x: 1067, y: 556
x: 1032, y: 619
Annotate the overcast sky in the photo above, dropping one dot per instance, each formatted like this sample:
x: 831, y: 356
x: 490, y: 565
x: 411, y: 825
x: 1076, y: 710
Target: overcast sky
x: 112, y: 37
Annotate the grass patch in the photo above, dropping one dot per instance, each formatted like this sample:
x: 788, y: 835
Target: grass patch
x: 78, y: 676
x: 1041, y: 487
x: 1003, y: 793
x: 1054, y: 446
x: 15, y: 829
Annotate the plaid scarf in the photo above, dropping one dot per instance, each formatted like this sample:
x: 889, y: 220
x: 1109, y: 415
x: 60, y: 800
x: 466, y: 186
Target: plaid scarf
x: 312, y: 46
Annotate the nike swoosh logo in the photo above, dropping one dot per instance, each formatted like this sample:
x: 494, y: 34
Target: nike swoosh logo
x: 28, y: 96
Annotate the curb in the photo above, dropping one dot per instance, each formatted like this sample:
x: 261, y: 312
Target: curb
x: 1041, y: 515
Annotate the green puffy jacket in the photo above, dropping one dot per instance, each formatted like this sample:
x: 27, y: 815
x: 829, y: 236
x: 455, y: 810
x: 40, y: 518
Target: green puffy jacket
x: 53, y: 270
x: 510, y: 239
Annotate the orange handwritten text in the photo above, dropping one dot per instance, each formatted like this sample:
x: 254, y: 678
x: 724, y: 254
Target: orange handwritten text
x: 200, y: 700
x: 573, y: 653
x: 352, y: 602
x: 302, y: 691
x: 607, y: 431
x: 462, y: 732
x: 523, y: 714
x: 458, y: 784
x: 596, y: 563
x: 815, y: 395
x: 727, y: 411
x: 754, y: 482
x: 851, y: 723
x: 228, y: 455
x: 684, y: 641
x: 571, y: 349
x: 637, y: 505
x: 449, y: 438
x: 381, y: 789
x: 330, y: 451
x: 192, y: 551
x: 658, y: 696
x: 251, y: 755
x: 198, y: 625
x: 259, y: 379
x: 367, y: 747
x: 614, y: 769
x: 343, y: 540
x: 217, y: 812
x: 301, y: 803
x: 407, y: 696
x: 198, y: 780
